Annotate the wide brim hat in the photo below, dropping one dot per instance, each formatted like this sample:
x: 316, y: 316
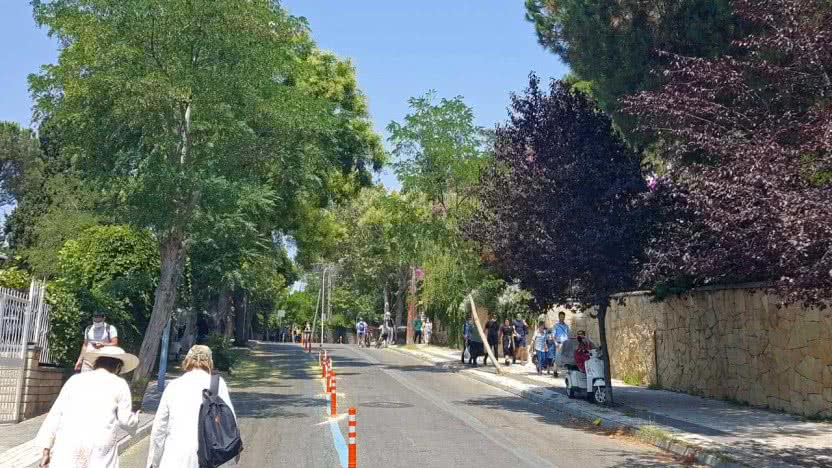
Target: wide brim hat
x: 129, y: 361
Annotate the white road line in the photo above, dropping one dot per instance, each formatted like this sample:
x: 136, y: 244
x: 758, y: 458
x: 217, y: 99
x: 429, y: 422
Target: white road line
x: 531, y: 459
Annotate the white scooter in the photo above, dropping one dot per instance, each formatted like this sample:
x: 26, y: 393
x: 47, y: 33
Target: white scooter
x: 592, y: 382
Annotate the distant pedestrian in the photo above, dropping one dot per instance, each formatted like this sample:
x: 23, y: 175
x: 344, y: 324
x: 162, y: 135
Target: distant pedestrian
x: 307, y: 337
x: 540, y: 346
x: 507, y: 338
x: 99, y: 334
x: 81, y: 428
x: 361, y: 329
x: 521, y: 329
x: 174, y: 438
x: 428, y: 330
x: 561, y: 332
x: 417, y: 329
x: 391, y: 330
x: 492, y: 333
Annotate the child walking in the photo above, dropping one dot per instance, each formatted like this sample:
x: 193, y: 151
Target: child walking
x: 541, y: 347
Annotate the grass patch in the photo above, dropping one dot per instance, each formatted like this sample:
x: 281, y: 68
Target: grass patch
x: 655, y: 386
x: 632, y: 379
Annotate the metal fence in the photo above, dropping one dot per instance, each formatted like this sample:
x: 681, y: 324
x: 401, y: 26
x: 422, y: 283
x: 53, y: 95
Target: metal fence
x: 24, y: 320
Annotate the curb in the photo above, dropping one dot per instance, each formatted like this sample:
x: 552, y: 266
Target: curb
x: 131, y: 440
x: 692, y: 447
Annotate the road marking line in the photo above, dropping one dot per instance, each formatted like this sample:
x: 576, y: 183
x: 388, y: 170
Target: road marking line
x: 337, y: 439
x: 531, y: 459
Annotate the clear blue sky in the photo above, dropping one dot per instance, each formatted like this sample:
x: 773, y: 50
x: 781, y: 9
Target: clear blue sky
x: 480, y: 49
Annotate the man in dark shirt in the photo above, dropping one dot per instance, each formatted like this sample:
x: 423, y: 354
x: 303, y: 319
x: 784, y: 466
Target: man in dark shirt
x: 521, y: 329
x: 507, y: 337
x: 492, y: 331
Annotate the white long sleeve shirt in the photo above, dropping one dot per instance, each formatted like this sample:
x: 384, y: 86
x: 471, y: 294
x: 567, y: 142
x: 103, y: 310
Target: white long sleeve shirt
x: 174, y: 439
x: 81, y: 428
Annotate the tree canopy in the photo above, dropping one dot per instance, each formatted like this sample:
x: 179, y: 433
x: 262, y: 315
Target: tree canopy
x: 755, y: 201
x: 179, y: 112
x: 614, y: 44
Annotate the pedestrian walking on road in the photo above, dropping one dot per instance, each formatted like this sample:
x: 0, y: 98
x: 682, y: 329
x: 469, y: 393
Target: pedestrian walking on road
x: 174, y: 439
x: 361, y: 329
x: 307, y: 338
x: 428, y: 330
x: 539, y: 341
x: 521, y: 329
x: 492, y: 333
x: 507, y: 338
x: 99, y: 334
x: 417, y: 328
x: 80, y: 430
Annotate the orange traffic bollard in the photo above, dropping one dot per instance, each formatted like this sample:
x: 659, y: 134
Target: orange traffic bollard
x: 352, y: 458
x: 332, y: 397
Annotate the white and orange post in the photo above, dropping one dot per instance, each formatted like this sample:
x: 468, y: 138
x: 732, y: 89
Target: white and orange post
x: 352, y: 457
x: 333, y: 411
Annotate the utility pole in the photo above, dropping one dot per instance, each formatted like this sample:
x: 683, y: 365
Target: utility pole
x: 411, y: 307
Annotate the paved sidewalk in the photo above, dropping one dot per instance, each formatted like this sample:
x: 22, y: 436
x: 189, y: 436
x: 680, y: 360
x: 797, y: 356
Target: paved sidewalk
x: 17, y: 445
x: 715, y: 432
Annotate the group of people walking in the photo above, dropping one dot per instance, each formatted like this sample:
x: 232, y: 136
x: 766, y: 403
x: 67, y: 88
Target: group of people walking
x: 80, y: 430
x: 422, y: 327
x: 512, y: 335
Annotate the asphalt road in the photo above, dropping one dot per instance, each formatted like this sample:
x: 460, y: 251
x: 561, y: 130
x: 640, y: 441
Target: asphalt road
x: 410, y: 414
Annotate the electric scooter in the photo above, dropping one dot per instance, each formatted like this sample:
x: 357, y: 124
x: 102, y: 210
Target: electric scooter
x: 591, y: 382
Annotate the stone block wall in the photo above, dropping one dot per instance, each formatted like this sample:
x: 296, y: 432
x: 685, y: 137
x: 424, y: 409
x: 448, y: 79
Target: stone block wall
x: 739, y: 344
x: 41, y: 386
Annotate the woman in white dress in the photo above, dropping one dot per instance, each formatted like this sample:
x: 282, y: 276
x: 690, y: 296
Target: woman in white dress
x: 174, y: 440
x: 80, y: 430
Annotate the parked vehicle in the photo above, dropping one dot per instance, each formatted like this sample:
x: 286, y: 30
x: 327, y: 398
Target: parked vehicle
x: 592, y: 382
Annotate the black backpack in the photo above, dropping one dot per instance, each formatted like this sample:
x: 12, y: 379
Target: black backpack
x: 219, y: 436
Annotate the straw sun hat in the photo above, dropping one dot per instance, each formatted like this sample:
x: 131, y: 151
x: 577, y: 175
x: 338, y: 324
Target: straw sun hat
x: 129, y: 361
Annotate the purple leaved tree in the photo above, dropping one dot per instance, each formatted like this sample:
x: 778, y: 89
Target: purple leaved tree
x: 559, y: 207
x: 752, y: 197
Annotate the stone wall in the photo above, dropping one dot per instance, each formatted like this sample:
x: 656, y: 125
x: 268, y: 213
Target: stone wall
x: 739, y: 344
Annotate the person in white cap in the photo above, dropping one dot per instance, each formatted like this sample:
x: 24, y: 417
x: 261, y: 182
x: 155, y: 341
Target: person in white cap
x: 80, y: 429
x: 174, y: 439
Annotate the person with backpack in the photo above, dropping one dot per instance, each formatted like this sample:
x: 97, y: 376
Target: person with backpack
x: 361, y: 330
x: 97, y: 335
x: 195, y: 425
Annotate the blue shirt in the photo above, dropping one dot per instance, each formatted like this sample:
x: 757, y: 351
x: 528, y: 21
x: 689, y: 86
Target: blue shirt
x: 561, y: 332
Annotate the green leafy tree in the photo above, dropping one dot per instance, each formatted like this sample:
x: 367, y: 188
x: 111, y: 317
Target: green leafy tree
x: 439, y: 150
x: 612, y: 44
x: 175, y: 110
x: 111, y: 268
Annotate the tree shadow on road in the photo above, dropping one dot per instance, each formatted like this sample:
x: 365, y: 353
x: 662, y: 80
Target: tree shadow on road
x: 550, y: 415
x: 273, y: 405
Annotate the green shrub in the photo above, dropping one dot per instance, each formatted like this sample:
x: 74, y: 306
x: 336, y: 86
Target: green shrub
x: 224, y: 357
x: 65, y: 324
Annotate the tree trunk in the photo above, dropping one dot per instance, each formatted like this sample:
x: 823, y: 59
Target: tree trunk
x: 386, y: 301
x: 172, y: 253
x: 483, y: 336
x: 602, y: 330
x: 400, y: 299
x: 240, y: 319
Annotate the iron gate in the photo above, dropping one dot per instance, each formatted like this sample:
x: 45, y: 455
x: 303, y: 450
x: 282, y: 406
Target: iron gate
x: 24, y: 320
